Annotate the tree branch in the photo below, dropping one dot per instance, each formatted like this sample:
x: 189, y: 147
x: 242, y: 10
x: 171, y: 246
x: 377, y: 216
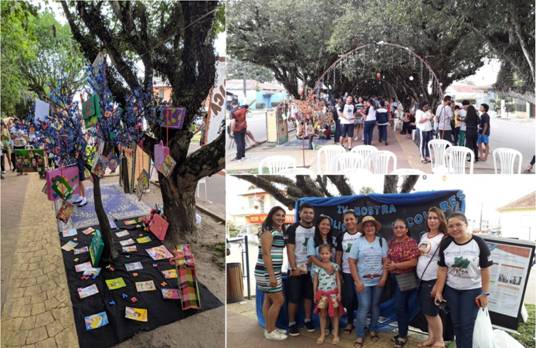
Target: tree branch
x: 263, y: 183
x: 342, y: 185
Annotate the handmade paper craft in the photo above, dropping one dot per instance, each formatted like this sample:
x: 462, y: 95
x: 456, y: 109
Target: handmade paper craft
x: 145, y: 286
x: 116, y: 283
x: 170, y: 294
x: 88, y: 291
x: 133, y: 266
x: 65, y: 212
x: 158, y: 226
x: 138, y: 314
x: 99, y: 169
x: 96, y: 247
x: 91, y: 110
x: 170, y: 273
x: 173, y: 116
x: 143, y: 240
x: 88, y: 231
x: 122, y: 234
x: 130, y: 249
x: 142, y: 183
x: 183, y: 256
x: 61, y: 187
x: 96, y: 320
x: 127, y: 242
x: 92, y: 272
x: 41, y: 110
x: 71, y: 176
x: 69, y: 245
x: 160, y: 152
x: 81, y: 250
x: 159, y: 253
x: 69, y: 232
x: 81, y: 267
x: 189, y: 289
x: 167, y: 166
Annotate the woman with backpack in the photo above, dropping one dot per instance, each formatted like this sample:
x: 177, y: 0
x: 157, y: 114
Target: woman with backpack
x: 436, y: 230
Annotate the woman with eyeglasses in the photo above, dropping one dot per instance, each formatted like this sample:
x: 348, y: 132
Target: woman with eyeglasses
x: 402, y: 259
x: 346, y: 241
x: 268, y: 271
x: 436, y: 230
x: 464, y: 274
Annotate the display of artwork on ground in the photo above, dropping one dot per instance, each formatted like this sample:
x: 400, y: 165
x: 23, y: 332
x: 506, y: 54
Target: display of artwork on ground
x: 30, y: 160
x: 412, y: 207
x: 512, y: 261
x: 138, y: 293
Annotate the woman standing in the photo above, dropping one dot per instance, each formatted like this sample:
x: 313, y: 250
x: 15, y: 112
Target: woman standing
x: 423, y: 121
x: 436, y: 229
x: 346, y: 242
x: 268, y: 271
x: 402, y: 254
x: 466, y: 260
x: 368, y: 255
x: 359, y: 118
x: 370, y: 121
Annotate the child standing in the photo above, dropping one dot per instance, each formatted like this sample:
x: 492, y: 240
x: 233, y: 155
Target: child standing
x: 327, y: 294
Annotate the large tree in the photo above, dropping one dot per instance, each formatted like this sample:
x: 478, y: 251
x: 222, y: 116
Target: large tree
x: 176, y: 41
x: 288, y: 190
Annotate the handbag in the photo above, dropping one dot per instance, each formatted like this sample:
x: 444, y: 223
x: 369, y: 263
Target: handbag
x: 406, y: 281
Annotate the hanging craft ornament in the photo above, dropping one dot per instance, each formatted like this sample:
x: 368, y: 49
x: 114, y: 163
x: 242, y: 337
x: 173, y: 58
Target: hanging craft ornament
x: 167, y: 166
x: 91, y: 110
x: 61, y: 187
x: 142, y: 183
x: 65, y: 212
x: 173, y: 117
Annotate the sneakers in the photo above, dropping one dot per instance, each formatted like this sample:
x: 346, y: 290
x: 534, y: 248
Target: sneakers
x: 275, y: 335
x: 81, y: 203
x: 310, y: 326
x: 293, y: 330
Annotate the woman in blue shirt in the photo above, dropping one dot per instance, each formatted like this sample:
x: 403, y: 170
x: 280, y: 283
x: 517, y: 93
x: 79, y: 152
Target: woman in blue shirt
x: 367, y: 259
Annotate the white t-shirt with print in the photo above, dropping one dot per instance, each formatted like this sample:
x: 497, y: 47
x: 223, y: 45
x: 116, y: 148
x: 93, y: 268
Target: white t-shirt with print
x: 428, y: 247
x: 347, y: 240
x: 464, y: 262
x: 425, y: 126
x: 348, y: 114
x: 299, y: 236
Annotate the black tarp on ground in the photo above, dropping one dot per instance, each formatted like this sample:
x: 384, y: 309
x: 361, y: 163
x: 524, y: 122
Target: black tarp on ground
x: 160, y: 311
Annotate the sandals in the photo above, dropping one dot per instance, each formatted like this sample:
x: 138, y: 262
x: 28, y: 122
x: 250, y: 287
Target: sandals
x: 358, y: 343
x: 320, y: 340
x: 374, y: 336
x: 348, y: 330
x: 335, y: 340
x: 423, y: 345
x: 400, y: 342
x: 438, y: 345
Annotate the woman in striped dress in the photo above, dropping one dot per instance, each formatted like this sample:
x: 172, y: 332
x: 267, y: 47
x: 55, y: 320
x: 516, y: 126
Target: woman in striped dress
x: 268, y: 271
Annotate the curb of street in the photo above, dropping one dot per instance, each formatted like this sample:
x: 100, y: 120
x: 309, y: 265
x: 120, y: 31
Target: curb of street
x: 205, y: 210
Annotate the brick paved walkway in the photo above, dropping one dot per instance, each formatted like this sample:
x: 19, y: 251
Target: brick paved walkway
x: 37, y: 310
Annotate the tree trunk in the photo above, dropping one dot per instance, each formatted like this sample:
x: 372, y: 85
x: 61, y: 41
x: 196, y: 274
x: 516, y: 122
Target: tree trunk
x: 179, y: 210
x: 109, y: 254
x: 124, y: 175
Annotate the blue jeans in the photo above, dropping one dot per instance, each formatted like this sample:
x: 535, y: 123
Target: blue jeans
x: 463, y: 312
x: 404, y: 312
x: 369, y: 129
x: 426, y: 136
x: 383, y: 133
x: 240, y: 140
x: 369, y: 301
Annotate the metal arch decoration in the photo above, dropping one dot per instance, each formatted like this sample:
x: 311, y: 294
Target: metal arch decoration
x: 389, y: 85
x: 344, y: 56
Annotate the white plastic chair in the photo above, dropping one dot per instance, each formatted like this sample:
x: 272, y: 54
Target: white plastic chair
x: 297, y: 171
x: 437, y: 149
x: 349, y: 161
x: 380, y: 162
x: 326, y: 159
x: 507, y: 158
x: 407, y: 171
x: 368, y: 152
x: 457, y: 158
x: 276, y: 164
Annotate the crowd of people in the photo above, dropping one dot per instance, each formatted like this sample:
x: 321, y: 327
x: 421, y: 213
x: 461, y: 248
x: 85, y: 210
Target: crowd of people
x: 344, y: 273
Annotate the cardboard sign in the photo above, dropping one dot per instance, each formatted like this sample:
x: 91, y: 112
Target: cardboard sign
x: 91, y: 110
x: 173, y: 116
x: 158, y: 226
x: 70, y: 174
x: 96, y: 247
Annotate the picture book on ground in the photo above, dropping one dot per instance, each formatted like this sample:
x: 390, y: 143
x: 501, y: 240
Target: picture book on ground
x: 170, y: 294
x: 145, y: 286
x: 88, y: 291
x: 81, y: 267
x: 133, y: 266
x: 96, y: 320
x: 115, y: 283
x: 159, y: 253
x: 69, y: 245
x: 138, y: 314
x: 130, y: 249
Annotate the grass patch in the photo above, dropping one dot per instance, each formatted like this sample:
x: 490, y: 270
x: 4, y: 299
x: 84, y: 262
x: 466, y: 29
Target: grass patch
x: 526, y: 330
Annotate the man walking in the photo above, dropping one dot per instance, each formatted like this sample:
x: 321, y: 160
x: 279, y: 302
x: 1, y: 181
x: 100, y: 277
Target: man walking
x: 483, y: 132
x: 239, y: 128
x: 300, y: 285
x: 444, y: 117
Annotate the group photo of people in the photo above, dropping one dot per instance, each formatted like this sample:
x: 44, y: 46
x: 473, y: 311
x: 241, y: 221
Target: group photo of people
x: 340, y: 276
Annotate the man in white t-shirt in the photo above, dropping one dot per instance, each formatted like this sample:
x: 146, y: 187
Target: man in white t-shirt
x: 347, y: 120
x: 424, y: 126
x: 444, y: 117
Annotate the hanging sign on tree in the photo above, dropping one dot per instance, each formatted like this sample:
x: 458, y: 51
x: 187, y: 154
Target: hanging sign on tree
x: 173, y: 117
x: 167, y: 167
x: 91, y: 110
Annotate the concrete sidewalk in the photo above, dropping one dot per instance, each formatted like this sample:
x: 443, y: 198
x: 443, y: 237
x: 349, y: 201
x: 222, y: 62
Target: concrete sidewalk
x: 37, y: 310
x: 244, y: 331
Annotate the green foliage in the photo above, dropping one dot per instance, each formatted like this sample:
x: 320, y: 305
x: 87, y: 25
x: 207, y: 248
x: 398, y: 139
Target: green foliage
x: 526, y: 330
x: 236, y: 69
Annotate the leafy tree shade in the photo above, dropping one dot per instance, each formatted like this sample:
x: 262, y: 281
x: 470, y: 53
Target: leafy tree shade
x: 288, y: 190
x: 37, y: 52
x: 174, y: 40
x: 236, y: 69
